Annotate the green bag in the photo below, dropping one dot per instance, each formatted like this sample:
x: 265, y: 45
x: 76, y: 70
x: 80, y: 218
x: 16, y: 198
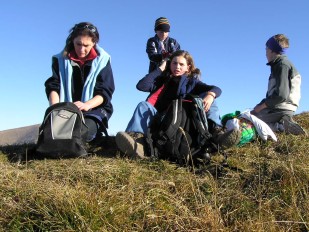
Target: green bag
x: 248, y: 131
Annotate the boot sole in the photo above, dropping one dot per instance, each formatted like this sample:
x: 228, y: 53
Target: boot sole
x: 293, y: 128
x: 129, y: 146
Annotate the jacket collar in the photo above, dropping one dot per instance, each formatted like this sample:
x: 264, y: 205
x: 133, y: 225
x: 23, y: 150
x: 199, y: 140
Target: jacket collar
x: 91, y: 56
x: 278, y: 59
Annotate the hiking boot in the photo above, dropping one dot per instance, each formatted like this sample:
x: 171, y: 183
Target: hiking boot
x: 291, y: 127
x: 227, y: 139
x: 131, y: 144
x: 216, y: 132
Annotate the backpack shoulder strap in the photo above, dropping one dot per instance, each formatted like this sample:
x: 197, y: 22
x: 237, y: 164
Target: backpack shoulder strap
x: 201, y: 115
x: 176, y: 117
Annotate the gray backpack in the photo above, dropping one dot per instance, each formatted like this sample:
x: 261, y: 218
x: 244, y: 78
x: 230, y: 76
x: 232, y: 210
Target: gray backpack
x: 63, y: 132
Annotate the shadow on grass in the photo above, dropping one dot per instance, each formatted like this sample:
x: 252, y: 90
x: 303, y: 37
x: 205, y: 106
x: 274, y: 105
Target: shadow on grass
x: 21, y: 153
x: 106, y: 147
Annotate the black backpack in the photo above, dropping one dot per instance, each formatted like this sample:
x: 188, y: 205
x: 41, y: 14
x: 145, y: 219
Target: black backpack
x: 180, y: 134
x: 63, y: 132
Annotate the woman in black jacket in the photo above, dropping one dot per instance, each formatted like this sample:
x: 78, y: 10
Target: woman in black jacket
x: 82, y: 74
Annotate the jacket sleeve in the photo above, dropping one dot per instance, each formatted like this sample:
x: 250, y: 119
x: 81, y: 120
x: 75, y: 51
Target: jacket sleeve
x: 202, y: 88
x: 149, y: 82
x: 174, y: 46
x: 151, y: 50
x: 282, y: 89
x: 105, y: 84
x: 53, y: 83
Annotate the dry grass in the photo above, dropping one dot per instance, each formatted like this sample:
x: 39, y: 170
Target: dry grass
x: 260, y: 187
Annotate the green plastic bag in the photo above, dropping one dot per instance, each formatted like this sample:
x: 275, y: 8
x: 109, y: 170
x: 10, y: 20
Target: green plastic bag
x: 248, y: 131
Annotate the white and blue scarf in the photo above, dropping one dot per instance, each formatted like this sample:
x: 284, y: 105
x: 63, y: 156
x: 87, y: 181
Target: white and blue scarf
x: 66, y: 71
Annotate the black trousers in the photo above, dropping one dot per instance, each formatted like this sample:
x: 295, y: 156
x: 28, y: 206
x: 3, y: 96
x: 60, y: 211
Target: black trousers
x: 93, y: 128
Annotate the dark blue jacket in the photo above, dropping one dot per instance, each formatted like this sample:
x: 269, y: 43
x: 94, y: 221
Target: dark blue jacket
x: 154, y: 50
x: 104, y: 86
x: 154, y: 80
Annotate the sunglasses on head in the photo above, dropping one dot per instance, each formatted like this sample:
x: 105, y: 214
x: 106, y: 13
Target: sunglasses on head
x: 89, y: 27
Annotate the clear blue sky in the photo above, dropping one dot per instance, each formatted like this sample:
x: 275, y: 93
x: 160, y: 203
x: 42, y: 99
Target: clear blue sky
x: 226, y: 39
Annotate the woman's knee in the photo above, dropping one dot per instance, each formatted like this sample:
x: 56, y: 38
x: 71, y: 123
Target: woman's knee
x: 92, y: 128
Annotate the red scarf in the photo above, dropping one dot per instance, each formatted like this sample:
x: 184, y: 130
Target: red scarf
x: 91, y: 56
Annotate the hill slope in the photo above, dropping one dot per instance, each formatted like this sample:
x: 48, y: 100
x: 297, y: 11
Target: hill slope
x: 260, y: 187
x: 27, y: 134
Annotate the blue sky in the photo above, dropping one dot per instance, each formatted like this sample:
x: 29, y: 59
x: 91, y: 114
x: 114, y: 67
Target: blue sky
x: 226, y: 39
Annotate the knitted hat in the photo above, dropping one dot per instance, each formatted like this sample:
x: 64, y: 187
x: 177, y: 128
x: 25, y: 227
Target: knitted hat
x: 273, y: 45
x: 162, y: 24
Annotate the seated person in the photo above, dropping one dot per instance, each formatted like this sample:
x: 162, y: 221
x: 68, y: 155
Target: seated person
x: 283, y: 94
x: 82, y: 74
x: 173, y: 80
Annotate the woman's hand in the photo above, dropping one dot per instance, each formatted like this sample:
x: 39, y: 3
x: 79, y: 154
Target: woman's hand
x: 82, y: 106
x: 88, y: 105
x: 208, y: 100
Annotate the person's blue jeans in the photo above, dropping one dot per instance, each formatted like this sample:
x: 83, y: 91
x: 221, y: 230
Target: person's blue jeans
x: 142, y: 116
x: 214, y: 114
x: 144, y: 113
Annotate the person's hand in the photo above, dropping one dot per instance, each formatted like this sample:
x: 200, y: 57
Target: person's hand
x: 207, y: 101
x: 82, y: 106
x: 163, y: 65
x: 165, y: 55
x: 260, y: 107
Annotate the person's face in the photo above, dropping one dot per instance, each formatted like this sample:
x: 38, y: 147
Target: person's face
x: 83, y: 45
x: 162, y: 35
x: 270, y: 55
x: 179, y: 66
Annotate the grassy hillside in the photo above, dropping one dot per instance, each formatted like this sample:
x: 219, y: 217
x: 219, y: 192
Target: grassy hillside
x: 260, y: 187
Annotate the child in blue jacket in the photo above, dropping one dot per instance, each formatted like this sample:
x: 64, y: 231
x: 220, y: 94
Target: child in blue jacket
x: 161, y: 46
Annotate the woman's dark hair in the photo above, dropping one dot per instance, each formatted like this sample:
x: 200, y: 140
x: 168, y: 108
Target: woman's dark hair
x: 83, y: 28
x: 193, y: 72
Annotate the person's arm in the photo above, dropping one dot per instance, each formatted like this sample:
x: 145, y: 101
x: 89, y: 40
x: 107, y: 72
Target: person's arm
x: 207, y: 92
x: 103, y: 90
x: 52, y: 84
x: 281, y: 90
x: 152, y: 51
x: 147, y: 83
x: 104, y: 86
x: 174, y: 45
x: 53, y: 98
x: 202, y: 89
